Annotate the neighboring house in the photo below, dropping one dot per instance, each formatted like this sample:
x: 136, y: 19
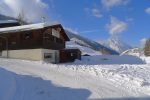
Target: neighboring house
x: 41, y: 41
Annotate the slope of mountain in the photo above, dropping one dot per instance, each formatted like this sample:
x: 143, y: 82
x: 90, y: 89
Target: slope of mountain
x: 134, y: 52
x: 90, y: 44
x: 116, y: 44
x: 84, y: 50
x: 3, y: 17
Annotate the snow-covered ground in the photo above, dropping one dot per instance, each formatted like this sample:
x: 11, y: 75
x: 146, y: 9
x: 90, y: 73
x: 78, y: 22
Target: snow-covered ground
x: 109, y: 60
x: 145, y: 59
x: 31, y: 80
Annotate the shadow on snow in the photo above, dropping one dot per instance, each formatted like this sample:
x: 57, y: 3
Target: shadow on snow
x: 34, y: 88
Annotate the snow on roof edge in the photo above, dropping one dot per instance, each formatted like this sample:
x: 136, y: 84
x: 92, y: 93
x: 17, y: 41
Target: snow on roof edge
x: 25, y: 27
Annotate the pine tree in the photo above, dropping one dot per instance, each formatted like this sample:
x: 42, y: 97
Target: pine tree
x: 21, y: 18
x: 147, y: 48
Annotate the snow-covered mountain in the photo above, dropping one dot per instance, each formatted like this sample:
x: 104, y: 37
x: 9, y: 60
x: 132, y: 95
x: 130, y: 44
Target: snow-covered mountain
x: 134, y: 52
x: 84, y: 50
x: 8, y: 20
x: 84, y: 42
x: 116, y: 44
x: 3, y: 17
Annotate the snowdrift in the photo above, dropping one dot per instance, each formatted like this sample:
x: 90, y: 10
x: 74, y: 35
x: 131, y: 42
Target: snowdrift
x: 109, y: 59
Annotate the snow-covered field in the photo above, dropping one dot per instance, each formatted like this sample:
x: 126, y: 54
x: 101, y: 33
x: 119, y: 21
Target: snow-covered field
x: 31, y: 80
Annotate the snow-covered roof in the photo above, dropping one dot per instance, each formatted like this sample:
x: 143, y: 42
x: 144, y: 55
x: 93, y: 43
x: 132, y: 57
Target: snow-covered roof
x: 25, y: 27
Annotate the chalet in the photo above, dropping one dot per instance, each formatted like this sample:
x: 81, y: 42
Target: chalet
x: 36, y: 42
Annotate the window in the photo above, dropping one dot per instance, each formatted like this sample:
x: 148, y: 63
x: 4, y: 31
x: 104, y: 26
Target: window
x: 55, y: 33
x: 13, y: 43
x: 72, y: 54
x: 27, y: 36
x: 48, y: 55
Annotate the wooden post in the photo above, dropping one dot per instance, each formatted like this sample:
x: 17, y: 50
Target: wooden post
x: 6, y: 39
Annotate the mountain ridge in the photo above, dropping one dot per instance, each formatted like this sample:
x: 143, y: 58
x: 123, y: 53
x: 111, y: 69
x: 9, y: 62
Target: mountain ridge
x: 116, y: 44
x: 89, y: 43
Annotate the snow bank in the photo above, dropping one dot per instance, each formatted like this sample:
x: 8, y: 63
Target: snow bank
x: 146, y: 59
x: 109, y: 59
x: 82, y: 80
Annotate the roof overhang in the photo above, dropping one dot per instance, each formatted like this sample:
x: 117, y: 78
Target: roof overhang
x: 32, y: 27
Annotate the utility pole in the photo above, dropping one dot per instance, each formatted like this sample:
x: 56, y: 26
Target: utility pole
x: 6, y: 39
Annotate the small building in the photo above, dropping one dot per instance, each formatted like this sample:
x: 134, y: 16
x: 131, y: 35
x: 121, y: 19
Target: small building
x: 36, y: 42
x: 69, y: 54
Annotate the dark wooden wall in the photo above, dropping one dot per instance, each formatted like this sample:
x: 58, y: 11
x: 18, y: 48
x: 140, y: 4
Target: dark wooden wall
x: 32, y: 39
x: 69, y: 55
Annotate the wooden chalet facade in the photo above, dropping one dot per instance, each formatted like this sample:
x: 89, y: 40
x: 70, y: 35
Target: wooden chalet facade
x: 29, y: 41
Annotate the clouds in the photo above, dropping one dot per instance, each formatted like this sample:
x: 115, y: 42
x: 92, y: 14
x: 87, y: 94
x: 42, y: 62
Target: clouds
x: 72, y: 30
x: 105, y: 6
x: 95, y: 12
x: 34, y: 9
x: 147, y: 10
x: 116, y: 26
x: 108, y: 4
x: 143, y: 42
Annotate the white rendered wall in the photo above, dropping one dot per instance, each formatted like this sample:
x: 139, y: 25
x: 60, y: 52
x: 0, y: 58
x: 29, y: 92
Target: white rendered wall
x: 30, y: 54
x: 33, y: 54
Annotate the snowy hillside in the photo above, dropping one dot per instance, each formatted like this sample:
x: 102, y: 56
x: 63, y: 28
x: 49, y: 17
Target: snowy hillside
x: 134, y: 52
x: 84, y: 50
x: 3, y: 17
x: 109, y: 60
x: 116, y: 45
x: 89, y: 43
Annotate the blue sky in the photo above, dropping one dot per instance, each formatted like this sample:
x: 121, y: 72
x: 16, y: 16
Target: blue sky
x: 95, y: 19
x: 79, y: 16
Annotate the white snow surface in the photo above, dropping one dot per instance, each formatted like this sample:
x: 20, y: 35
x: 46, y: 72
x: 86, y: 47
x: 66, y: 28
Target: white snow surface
x: 146, y: 59
x: 83, y: 49
x: 134, y: 52
x: 110, y: 59
x: 33, y: 80
x: 25, y: 27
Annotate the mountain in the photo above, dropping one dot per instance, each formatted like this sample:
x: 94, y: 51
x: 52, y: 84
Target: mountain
x: 6, y: 21
x: 84, y: 50
x: 84, y: 42
x: 134, y: 52
x: 116, y: 44
x: 3, y: 17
